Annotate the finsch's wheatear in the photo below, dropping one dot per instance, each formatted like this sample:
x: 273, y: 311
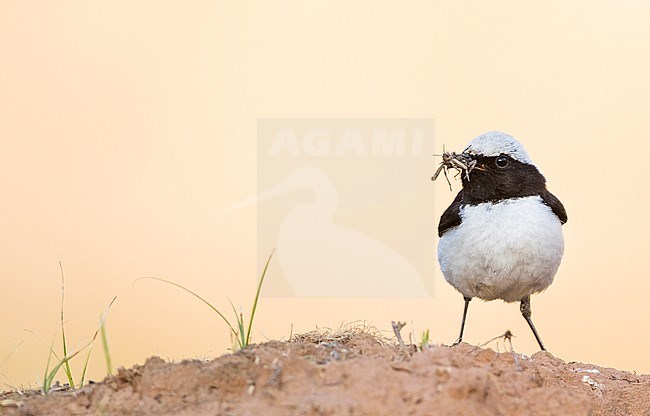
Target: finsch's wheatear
x: 501, y: 237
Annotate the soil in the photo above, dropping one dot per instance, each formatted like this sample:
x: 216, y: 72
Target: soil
x: 358, y: 374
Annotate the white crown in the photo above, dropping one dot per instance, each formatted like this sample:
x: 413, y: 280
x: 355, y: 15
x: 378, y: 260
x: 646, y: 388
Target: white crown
x: 495, y: 143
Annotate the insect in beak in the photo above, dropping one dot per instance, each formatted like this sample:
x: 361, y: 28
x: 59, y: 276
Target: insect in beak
x: 462, y: 162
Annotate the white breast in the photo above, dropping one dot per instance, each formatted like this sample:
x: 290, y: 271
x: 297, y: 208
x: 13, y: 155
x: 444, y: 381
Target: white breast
x: 506, y: 250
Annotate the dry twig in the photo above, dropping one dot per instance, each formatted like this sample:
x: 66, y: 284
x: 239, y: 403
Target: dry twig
x: 507, y: 336
x: 397, y: 328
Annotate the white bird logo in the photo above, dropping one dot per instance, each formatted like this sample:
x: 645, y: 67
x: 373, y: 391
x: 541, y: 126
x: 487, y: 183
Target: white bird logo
x: 320, y: 258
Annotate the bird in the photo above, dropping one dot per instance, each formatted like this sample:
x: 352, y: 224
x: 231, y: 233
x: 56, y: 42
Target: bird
x: 501, y: 237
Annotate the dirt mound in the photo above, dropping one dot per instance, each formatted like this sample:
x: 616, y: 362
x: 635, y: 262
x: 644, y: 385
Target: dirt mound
x: 357, y: 375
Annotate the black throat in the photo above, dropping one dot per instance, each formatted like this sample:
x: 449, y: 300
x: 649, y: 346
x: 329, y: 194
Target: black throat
x: 490, y: 182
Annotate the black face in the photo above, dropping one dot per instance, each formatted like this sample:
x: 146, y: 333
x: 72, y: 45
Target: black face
x: 495, y: 178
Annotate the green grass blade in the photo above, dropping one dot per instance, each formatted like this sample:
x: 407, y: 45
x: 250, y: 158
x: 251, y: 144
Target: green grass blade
x: 85, y: 368
x: 257, y: 296
x: 195, y: 295
x: 240, y: 321
x: 68, y: 371
x: 50, y: 377
x: 107, y: 354
x: 46, y: 387
x: 239, y: 336
x: 424, y: 341
x: 92, y: 341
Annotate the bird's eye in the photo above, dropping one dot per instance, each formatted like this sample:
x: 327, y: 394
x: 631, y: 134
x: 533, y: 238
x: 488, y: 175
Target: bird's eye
x: 502, y: 162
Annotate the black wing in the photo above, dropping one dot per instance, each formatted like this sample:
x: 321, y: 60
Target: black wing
x: 451, y: 217
x: 555, y: 204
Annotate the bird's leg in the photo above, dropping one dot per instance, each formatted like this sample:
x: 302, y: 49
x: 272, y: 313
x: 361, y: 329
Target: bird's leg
x: 462, y: 323
x: 524, y: 307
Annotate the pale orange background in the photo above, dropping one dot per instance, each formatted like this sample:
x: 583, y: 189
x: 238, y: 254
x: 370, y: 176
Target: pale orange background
x: 126, y: 126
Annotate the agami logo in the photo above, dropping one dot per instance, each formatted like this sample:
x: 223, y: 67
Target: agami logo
x: 351, y: 141
x: 335, y: 201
